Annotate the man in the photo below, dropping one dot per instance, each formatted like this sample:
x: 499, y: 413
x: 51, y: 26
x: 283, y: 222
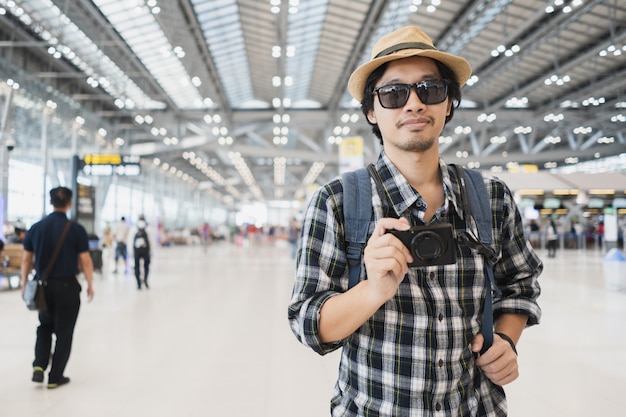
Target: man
x: 18, y: 237
x: 62, y: 289
x: 141, y: 251
x: 4, y: 262
x: 121, y: 236
x: 411, y: 335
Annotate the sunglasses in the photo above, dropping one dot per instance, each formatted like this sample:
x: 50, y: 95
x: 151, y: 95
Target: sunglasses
x: 394, y: 96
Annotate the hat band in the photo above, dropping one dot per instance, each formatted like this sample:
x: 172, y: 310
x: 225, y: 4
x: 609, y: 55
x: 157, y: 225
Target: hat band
x: 401, y: 46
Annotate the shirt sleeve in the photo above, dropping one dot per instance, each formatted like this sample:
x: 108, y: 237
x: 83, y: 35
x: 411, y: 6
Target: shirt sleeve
x: 518, y: 267
x: 321, y: 267
x: 82, y: 240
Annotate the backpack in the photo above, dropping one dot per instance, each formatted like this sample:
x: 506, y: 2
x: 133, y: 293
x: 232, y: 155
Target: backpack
x: 357, y: 209
x: 141, y: 242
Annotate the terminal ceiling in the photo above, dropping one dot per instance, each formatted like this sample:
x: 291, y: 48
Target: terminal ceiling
x: 248, y: 100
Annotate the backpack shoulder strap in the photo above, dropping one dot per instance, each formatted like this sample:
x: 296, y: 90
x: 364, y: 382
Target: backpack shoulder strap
x: 474, y: 195
x: 357, y: 212
x: 477, y: 195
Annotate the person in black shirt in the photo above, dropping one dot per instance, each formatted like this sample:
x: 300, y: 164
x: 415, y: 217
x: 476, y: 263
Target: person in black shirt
x: 141, y: 247
x: 62, y: 289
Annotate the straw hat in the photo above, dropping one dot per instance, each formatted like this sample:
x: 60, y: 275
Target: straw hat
x: 402, y: 43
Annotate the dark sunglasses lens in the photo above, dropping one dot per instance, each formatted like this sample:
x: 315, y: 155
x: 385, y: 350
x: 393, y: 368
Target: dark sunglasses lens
x: 396, y: 96
x: 393, y: 96
x: 432, y: 92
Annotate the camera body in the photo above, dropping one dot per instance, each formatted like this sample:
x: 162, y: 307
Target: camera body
x: 429, y: 245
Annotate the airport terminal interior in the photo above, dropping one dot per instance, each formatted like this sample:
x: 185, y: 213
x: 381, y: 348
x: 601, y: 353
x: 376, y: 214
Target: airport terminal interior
x: 216, y: 120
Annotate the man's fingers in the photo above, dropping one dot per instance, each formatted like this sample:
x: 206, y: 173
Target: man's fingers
x: 387, y: 223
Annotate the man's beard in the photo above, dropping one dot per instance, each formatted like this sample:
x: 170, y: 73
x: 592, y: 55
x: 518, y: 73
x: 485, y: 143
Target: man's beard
x: 417, y: 145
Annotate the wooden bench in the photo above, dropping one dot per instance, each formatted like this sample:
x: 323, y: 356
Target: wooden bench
x: 14, y: 252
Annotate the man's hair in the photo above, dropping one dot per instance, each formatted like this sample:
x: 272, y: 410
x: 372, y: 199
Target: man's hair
x: 60, y: 197
x: 367, y: 104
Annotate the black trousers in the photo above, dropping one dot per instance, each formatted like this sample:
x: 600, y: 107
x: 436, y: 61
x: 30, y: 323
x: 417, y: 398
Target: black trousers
x: 551, y: 245
x: 63, y: 297
x: 146, y: 267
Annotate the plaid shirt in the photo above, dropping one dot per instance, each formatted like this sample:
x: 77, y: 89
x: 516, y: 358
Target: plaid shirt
x: 412, y: 357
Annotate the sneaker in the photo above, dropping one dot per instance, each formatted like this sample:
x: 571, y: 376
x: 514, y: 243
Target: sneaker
x: 64, y: 380
x: 37, y: 374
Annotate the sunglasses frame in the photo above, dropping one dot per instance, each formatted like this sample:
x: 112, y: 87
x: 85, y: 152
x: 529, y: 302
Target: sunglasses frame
x: 417, y: 86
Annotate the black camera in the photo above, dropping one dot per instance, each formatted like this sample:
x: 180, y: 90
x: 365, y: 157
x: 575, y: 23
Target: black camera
x: 429, y: 245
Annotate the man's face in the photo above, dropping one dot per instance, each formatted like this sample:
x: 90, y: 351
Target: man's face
x: 414, y: 127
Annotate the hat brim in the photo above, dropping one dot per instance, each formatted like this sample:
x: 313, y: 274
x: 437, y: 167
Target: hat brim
x: 461, y: 68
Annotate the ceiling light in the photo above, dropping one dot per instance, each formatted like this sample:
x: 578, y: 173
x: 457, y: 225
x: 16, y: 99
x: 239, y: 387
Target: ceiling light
x: 553, y: 117
x: 606, y: 139
x: 522, y: 130
x: 472, y: 80
x: 498, y: 140
x: 592, y: 101
x: 552, y: 140
x: 484, y: 117
x: 517, y: 103
x: 313, y: 173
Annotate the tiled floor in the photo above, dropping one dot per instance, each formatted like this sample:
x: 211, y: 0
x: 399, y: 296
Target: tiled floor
x: 210, y: 338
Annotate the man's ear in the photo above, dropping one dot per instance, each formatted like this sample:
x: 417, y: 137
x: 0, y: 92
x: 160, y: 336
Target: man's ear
x: 371, y: 117
x: 449, y: 107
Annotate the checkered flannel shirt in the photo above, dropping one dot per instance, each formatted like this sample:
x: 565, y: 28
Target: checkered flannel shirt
x: 412, y: 357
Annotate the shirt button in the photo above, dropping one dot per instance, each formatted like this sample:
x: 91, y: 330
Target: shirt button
x: 432, y: 275
x: 440, y: 317
x: 438, y: 407
x: 440, y: 363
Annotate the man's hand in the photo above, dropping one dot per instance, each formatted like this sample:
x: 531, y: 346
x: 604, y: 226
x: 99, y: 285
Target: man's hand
x: 90, y: 293
x: 499, y: 363
x: 386, y: 258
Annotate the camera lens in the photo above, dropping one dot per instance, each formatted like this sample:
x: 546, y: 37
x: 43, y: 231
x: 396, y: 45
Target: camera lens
x: 427, y: 246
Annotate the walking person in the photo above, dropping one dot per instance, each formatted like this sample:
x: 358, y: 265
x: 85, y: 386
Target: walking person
x: 411, y: 335
x: 552, y: 237
x: 293, y: 234
x: 62, y: 289
x: 121, y: 237
x: 141, y: 252
x: 205, y: 236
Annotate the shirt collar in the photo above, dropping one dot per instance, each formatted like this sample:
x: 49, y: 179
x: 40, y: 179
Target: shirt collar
x: 399, y: 194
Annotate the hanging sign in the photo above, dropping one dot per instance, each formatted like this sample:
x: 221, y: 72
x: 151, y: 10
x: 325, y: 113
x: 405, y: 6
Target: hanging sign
x: 110, y: 164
